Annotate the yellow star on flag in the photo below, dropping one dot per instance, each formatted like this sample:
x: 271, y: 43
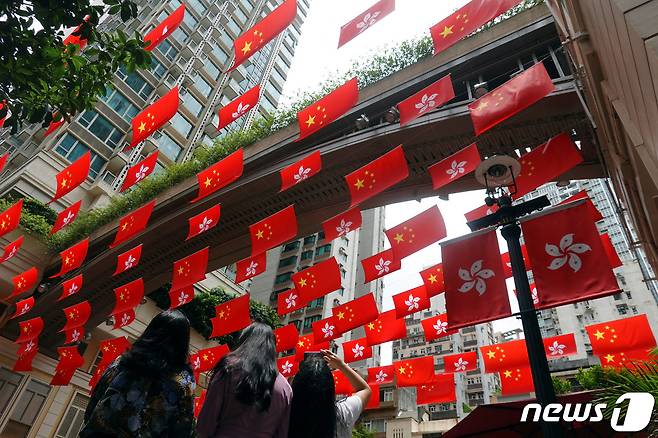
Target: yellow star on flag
x: 247, y: 47
x: 508, y: 373
x: 310, y: 121
x: 447, y: 30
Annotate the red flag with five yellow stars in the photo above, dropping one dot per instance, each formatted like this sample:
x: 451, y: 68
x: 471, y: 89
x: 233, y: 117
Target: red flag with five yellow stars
x: 198, y: 403
x: 180, y: 297
x: 426, y: 100
x: 385, y: 328
x: 440, y: 390
x: 69, y: 360
x: 288, y: 366
x: 23, y: 307
x: 24, y: 281
x: 414, y: 372
x: 238, y: 107
x: 355, y: 350
x: 72, y: 176
x: 341, y: 224
x: 416, y: 233
x: 355, y: 313
x: 190, y: 269
x: 498, y: 357
x: 250, y: 267
x: 66, y: 217
x: 411, y: 301
x: 305, y: 343
x: 379, y: 265
x: 460, y: 362
x: 381, y: 375
x: 516, y: 381
x: 626, y: 359
x: 220, y: 174
x: 128, y: 259
x: 76, y: 315
x: 11, y: 249
x: 231, y: 316
x: 206, y: 359
x: 29, y: 329
x: 455, y: 166
x: 264, y: 31
x: 286, y: 337
x: 433, y: 279
x: 341, y: 383
x: 365, y: 20
x: 71, y: 287
x: 377, y: 176
x: 301, y: 170
x: 466, y: 20
x: 133, y: 223
x: 323, y: 112
x: 203, y: 221
x: 154, y: 116
x: 325, y: 330
x: 128, y: 296
x: 436, y: 327
x: 626, y: 334
x: 11, y: 217
x: 318, y: 280
x: 73, y: 257
x: 164, y: 29
x: 273, y: 230
x: 139, y: 171
x: 110, y: 349
x: 289, y: 301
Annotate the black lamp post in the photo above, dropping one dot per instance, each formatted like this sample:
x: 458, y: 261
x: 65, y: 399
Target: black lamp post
x: 497, y: 174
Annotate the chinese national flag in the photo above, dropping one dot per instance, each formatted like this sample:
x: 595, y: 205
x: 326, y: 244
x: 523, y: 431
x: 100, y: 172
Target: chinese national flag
x: 124, y: 318
x: 52, y: 127
x: 507, y: 264
x: 190, y: 269
x: 288, y: 366
x: 23, y: 306
x: 11, y: 249
x: 433, y: 279
x: 416, y: 233
x: 498, y: 357
x: 238, y: 107
x: 71, y: 287
x: 198, y: 403
x: 325, y: 330
x: 73, y: 257
x: 596, y: 214
x: 318, y: 280
x: 69, y: 360
x: 455, y: 166
x: 76, y: 315
x: 342, y: 385
x: 380, y: 264
x: 511, y: 98
x: 250, y: 267
x: 180, y: 297
x: 220, y: 174
x: 203, y: 221
x: 264, y: 31
x: 128, y: 259
x: 375, y: 401
x: 460, y: 362
x: 569, y: 263
x: 440, y: 390
x: 626, y: 359
x: 133, y: 223
x: 72, y: 176
x: 365, y: 20
x: 610, y: 251
x: 516, y: 381
x: 546, y: 162
x: 66, y: 217
x: 165, y: 28
x: 466, y: 20
x: 341, y: 224
x: 128, y: 296
x: 560, y: 346
x: 273, y: 230
x: 355, y: 313
x: 140, y: 171
x: 482, y: 211
x: 323, y: 112
x: 286, y: 337
x: 626, y: 334
x: 356, y: 350
x: 24, y: 281
x: 426, y: 100
x: 289, y: 301
x: 5, y: 156
x: 76, y: 38
x: 29, y: 329
x: 301, y: 170
x: 24, y: 361
x: 305, y: 343
x: 377, y: 176
x: 381, y: 375
x: 414, y: 372
x: 154, y: 116
x: 436, y: 327
x: 474, y: 280
x: 206, y: 359
x: 11, y: 217
x: 411, y: 301
x: 231, y: 316
x: 113, y: 348
x: 385, y: 328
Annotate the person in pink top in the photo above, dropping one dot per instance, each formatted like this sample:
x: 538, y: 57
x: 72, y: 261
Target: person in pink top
x: 247, y: 396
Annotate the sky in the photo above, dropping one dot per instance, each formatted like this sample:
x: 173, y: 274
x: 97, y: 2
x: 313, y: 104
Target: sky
x: 316, y: 59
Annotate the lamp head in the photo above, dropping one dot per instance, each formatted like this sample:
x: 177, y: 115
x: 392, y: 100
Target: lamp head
x: 497, y: 171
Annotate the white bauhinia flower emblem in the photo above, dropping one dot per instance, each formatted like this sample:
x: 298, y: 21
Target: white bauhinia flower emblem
x: 29, y: 346
x: 344, y: 227
x: 476, y: 277
x: 328, y: 330
x: 75, y: 336
x: 286, y: 368
x: 291, y: 301
x: 165, y: 30
x: 125, y: 319
x: 461, y: 364
x: 302, y: 174
x: 25, y: 309
x: 73, y: 289
x: 556, y: 349
x: 567, y: 251
x: 251, y: 269
x: 440, y: 327
x: 383, y: 266
x: 69, y: 217
x: 11, y: 253
x: 197, y: 363
x: 368, y: 20
x: 205, y: 224
x: 380, y: 376
x: 426, y: 102
x: 358, y: 350
x: 535, y: 296
x: 412, y: 302
x: 141, y: 173
x: 129, y: 263
x: 240, y: 110
x: 456, y: 168
x: 182, y: 298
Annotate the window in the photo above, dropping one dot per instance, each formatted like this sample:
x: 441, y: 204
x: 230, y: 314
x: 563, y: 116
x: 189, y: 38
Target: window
x: 203, y: 86
x: 323, y: 250
x: 387, y: 394
x: 308, y: 322
x: 190, y: 21
x: 219, y: 53
x: 320, y: 235
x: 212, y: 69
x: 169, y: 147
x: 197, y: 6
x: 181, y: 125
x: 298, y: 324
x: 316, y: 303
x: 282, y: 278
x: 240, y: 15
x: 622, y: 309
x: 343, y: 272
x: 290, y: 246
x: 309, y: 240
x: 72, y: 421
x: 167, y: 49
x: 234, y: 27
x: 120, y: 104
x: 180, y: 35
x: 157, y: 69
x: 26, y: 409
x: 288, y: 261
x: 192, y: 104
x: 307, y: 254
x: 101, y: 128
x: 248, y: 5
x: 138, y: 83
x: 9, y: 383
x: 72, y: 149
x: 226, y: 39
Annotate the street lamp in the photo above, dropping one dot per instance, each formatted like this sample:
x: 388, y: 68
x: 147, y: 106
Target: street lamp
x: 497, y: 174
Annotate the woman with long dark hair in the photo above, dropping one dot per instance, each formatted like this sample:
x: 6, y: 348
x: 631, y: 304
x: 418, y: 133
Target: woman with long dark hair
x: 247, y: 397
x: 148, y: 391
x: 315, y: 411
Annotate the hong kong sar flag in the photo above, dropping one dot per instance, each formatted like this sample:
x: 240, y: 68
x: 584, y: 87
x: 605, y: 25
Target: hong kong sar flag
x: 273, y: 230
x: 416, y: 233
x: 289, y: 301
x: 460, y: 362
x: 381, y: 375
x: 569, y: 262
x: 426, y: 100
x: 455, y: 166
x: 325, y: 330
x: 301, y: 170
x: 238, y: 107
x: 66, y: 217
x: 323, y: 112
x: 250, y: 267
x: 436, y: 327
x: 165, y: 28
x: 411, y: 301
x: 356, y: 350
x: 365, y: 20
x: 140, y: 171
x: 380, y: 264
x: 341, y: 224
x: 203, y: 221
x: 474, y: 280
